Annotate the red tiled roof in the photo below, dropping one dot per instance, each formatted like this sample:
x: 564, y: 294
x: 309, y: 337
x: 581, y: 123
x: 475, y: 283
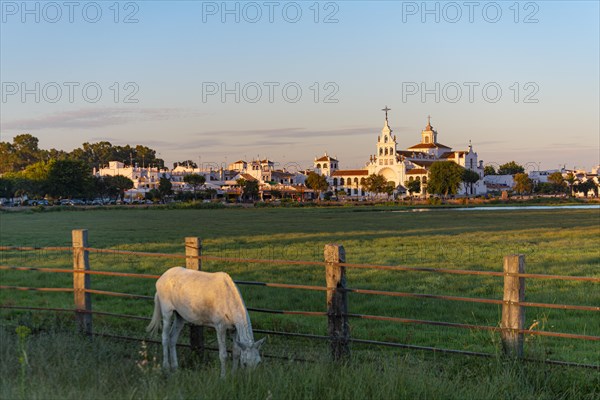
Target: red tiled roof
x: 326, y: 158
x: 281, y: 174
x: 350, y: 172
x: 416, y: 171
x: 248, y: 177
x: 423, y: 146
x: 429, y: 146
x: 422, y: 163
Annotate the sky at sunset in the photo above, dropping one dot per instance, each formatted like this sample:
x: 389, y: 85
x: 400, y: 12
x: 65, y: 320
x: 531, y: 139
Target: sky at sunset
x: 218, y: 82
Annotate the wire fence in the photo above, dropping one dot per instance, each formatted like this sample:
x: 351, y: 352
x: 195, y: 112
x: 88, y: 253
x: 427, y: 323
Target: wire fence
x: 512, y: 328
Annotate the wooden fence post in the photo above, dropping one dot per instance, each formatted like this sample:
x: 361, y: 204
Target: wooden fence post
x: 81, y: 281
x: 513, y: 315
x: 193, y: 249
x: 337, y: 301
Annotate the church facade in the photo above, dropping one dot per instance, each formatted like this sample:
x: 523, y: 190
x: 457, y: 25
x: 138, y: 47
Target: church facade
x: 401, y: 166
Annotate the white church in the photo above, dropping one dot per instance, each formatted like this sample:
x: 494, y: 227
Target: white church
x: 401, y: 166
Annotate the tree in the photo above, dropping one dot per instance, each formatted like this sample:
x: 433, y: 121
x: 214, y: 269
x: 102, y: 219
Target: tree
x: 118, y: 184
x: 586, y: 186
x: 31, y: 181
x: 413, y: 186
x: 375, y: 184
x: 510, y: 168
x: 523, y: 184
x: 389, y: 188
x: 26, y: 150
x: 469, y: 177
x: 557, y: 182
x: 489, y: 170
x: 22, y: 152
x: 444, y: 178
x: 153, y: 195
x: 195, y: 181
x: 6, y: 188
x: 69, y: 178
x: 7, y: 157
x: 317, y: 182
x: 165, y: 187
x: 250, y: 189
x: 570, y: 179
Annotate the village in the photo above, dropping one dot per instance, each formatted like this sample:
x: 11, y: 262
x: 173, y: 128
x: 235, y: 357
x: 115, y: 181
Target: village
x: 399, y: 167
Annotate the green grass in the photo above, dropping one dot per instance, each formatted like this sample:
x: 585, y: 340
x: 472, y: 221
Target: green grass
x: 105, y: 369
x: 561, y: 242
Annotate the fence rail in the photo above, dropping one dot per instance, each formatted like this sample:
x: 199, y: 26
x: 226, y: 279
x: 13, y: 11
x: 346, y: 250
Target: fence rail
x: 513, y: 303
x: 315, y: 288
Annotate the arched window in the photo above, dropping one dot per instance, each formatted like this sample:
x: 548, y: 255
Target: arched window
x: 335, y: 182
x: 386, y: 151
x: 418, y: 178
x: 362, y: 181
x: 324, y: 166
x: 380, y: 151
x: 319, y: 166
x: 410, y: 179
x: 341, y: 181
x: 424, y: 179
x: 385, y: 139
x: 356, y: 181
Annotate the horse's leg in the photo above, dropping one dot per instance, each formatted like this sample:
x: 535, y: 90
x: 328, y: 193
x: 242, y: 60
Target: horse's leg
x: 178, y: 324
x: 165, y: 337
x: 222, y: 340
x: 235, y: 354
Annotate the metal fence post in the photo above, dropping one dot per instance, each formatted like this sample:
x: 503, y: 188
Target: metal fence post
x: 337, y: 301
x: 513, y: 315
x: 81, y: 281
x: 193, y: 250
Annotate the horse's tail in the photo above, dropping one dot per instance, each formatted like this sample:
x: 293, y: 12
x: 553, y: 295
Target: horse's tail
x: 155, y: 324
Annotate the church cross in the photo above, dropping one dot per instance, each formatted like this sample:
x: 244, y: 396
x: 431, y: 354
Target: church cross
x: 386, y: 109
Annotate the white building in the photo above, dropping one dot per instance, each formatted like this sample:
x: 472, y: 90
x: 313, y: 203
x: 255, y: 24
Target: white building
x: 401, y: 166
x: 144, y: 179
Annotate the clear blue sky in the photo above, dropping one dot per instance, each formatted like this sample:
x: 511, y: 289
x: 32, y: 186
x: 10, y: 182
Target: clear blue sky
x: 372, y: 56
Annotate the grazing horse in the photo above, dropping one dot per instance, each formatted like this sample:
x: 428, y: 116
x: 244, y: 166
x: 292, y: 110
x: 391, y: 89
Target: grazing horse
x: 208, y: 299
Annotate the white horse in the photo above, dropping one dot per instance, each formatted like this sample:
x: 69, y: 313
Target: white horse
x: 208, y: 299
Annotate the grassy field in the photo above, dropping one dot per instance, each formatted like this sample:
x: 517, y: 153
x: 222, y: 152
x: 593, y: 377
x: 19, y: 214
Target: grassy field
x: 554, y: 241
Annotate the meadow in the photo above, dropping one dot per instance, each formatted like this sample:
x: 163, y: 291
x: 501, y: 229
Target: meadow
x: 561, y: 242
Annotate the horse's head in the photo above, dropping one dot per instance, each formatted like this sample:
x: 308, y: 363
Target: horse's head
x: 250, y: 356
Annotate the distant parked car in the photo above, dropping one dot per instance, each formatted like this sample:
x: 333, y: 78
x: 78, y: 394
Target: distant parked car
x: 97, y: 202
x: 77, y: 202
x: 42, y: 202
